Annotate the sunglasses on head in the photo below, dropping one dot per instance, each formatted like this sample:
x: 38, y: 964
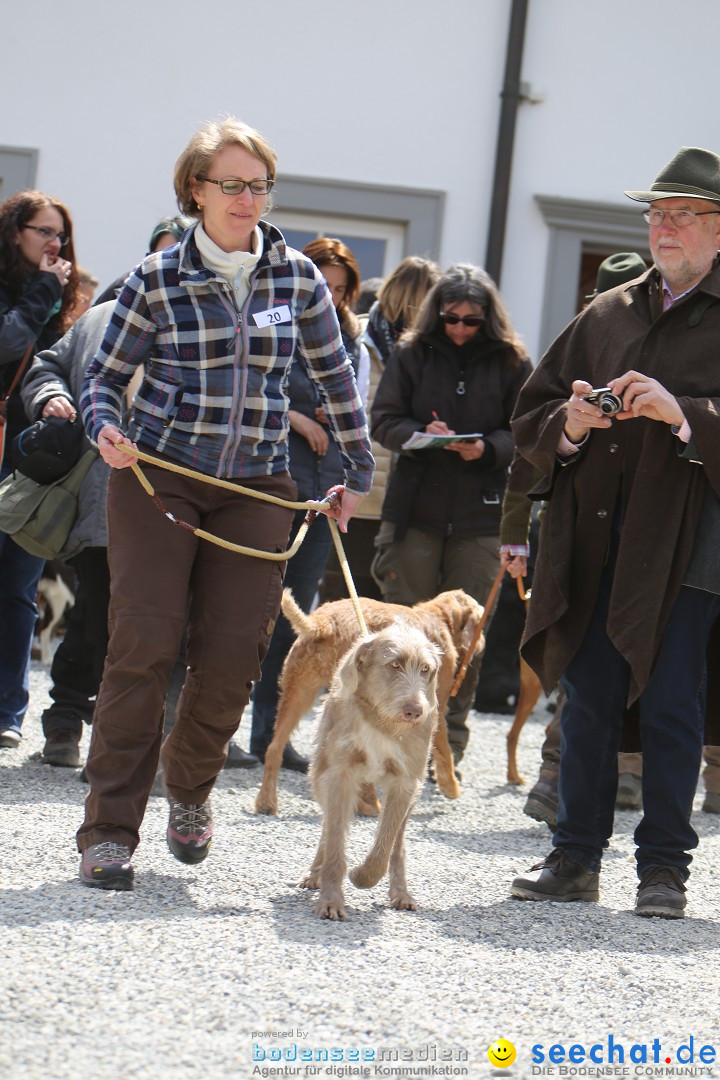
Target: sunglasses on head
x: 466, y: 320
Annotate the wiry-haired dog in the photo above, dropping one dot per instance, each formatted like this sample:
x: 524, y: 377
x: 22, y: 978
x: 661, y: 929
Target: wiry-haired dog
x: 449, y: 620
x: 376, y: 728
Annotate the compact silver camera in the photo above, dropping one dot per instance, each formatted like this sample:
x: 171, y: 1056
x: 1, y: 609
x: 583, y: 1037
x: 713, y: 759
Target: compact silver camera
x: 606, y: 401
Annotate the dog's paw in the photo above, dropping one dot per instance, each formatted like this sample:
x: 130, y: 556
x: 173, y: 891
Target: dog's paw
x: 401, y: 900
x: 330, y: 908
x: 264, y: 804
x: 365, y: 876
x: 449, y: 786
x: 368, y: 808
x: 310, y: 881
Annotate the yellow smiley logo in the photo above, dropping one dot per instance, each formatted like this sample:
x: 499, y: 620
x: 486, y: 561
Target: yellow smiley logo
x: 501, y: 1053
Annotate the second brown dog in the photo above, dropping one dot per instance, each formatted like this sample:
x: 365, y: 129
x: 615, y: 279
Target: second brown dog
x: 449, y: 620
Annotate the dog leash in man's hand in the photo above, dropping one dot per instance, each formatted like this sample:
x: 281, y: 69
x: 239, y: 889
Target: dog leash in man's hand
x: 469, y: 652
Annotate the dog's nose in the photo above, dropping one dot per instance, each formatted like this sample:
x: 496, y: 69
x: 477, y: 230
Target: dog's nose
x: 412, y: 711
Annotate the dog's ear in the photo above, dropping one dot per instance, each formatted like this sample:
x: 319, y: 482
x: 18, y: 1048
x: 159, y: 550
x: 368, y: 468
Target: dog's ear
x: 348, y: 672
x: 472, y: 614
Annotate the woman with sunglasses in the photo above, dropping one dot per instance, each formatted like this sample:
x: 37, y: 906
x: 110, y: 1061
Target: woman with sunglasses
x: 216, y: 322
x: 38, y: 288
x: 457, y: 371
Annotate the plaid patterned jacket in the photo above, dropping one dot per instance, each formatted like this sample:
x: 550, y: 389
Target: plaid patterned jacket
x: 214, y: 395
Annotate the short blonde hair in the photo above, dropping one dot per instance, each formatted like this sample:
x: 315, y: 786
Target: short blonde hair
x: 212, y: 137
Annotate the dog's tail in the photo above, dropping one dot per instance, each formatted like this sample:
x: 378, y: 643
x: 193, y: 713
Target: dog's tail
x: 297, y: 618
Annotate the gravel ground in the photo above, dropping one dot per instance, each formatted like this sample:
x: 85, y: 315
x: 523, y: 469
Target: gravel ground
x: 201, y: 969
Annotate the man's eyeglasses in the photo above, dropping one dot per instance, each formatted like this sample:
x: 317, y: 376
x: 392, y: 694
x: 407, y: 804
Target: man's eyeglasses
x: 679, y: 218
x: 49, y: 234
x: 236, y: 187
x: 466, y: 320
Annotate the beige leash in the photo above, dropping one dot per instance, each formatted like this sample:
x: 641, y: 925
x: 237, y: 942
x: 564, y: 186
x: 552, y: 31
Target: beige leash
x: 313, y: 506
x: 469, y: 652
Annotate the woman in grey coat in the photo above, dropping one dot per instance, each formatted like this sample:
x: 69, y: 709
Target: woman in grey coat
x: 51, y: 388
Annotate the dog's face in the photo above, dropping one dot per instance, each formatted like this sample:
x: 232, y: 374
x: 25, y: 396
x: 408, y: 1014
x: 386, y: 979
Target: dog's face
x: 395, y: 670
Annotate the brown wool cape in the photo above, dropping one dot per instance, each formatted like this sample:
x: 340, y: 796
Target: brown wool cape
x: 635, y: 463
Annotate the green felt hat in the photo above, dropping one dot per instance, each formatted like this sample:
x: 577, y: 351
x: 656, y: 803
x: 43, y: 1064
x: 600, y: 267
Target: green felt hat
x: 693, y: 171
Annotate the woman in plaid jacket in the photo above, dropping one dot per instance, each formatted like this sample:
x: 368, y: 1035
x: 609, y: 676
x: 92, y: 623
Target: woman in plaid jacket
x: 215, y: 321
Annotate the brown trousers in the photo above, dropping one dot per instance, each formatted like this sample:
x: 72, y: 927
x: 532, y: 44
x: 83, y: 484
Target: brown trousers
x: 163, y: 576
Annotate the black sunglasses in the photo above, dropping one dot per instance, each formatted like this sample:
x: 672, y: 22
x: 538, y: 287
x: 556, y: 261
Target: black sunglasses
x: 466, y: 320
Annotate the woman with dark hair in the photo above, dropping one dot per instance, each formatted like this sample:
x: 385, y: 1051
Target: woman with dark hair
x: 38, y: 288
x: 458, y: 370
x: 315, y: 466
x: 215, y: 321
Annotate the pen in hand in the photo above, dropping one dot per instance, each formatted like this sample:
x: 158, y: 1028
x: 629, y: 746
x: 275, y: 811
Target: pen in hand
x: 437, y: 426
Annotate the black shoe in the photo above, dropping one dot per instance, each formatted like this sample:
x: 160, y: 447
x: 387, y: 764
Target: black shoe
x: 62, y: 747
x: 107, y: 866
x: 556, y: 878
x: 237, y: 758
x: 294, y: 761
x: 190, y: 830
x: 661, y: 892
x: 541, y: 803
x: 290, y: 759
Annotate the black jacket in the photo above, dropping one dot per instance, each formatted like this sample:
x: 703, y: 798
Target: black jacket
x: 22, y: 324
x: 436, y: 490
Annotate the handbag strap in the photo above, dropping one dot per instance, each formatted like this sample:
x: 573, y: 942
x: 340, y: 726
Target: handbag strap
x: 20, y: 371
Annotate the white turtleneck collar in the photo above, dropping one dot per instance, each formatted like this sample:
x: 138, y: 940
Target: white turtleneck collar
x: 229, y: 264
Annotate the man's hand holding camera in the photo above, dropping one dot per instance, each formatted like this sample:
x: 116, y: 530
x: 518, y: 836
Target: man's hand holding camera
x: 643, y: 396
x: 640, y: 396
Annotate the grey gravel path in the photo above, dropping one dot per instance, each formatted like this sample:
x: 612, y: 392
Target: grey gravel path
x: 198, y: 968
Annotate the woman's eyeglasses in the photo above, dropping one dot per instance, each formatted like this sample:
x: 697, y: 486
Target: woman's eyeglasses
x: 466, y: 320
x: 236, y: 187
x: 49, y: 234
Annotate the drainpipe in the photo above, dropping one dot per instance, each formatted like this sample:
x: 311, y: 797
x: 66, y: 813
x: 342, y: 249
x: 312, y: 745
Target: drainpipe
x: 511, y: 97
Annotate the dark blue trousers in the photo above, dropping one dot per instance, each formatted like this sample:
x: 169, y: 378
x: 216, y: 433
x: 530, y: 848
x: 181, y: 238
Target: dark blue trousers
x: 671, y: 728
x: 303, y: 575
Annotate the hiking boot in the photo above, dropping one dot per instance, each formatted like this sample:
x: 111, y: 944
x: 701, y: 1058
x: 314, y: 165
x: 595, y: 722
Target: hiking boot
x: 711, y: 803
x: 107, y: 866
x: 9, y: 739
x: 556, y: 878
x: 661, y: 892
x: 62, y: 747
x: 541, y: 803
x: 190, y: 830
x: 629, y: 792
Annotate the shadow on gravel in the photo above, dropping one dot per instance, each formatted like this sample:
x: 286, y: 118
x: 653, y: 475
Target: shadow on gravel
x: 307, y: 929
x: 156, y: 896
x: 572, y: 928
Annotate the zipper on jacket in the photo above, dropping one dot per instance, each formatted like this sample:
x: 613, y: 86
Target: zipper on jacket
x: 231, y: 446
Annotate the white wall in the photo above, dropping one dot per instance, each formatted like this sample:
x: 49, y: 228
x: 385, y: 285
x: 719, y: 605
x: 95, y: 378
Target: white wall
x: 397, y: 92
